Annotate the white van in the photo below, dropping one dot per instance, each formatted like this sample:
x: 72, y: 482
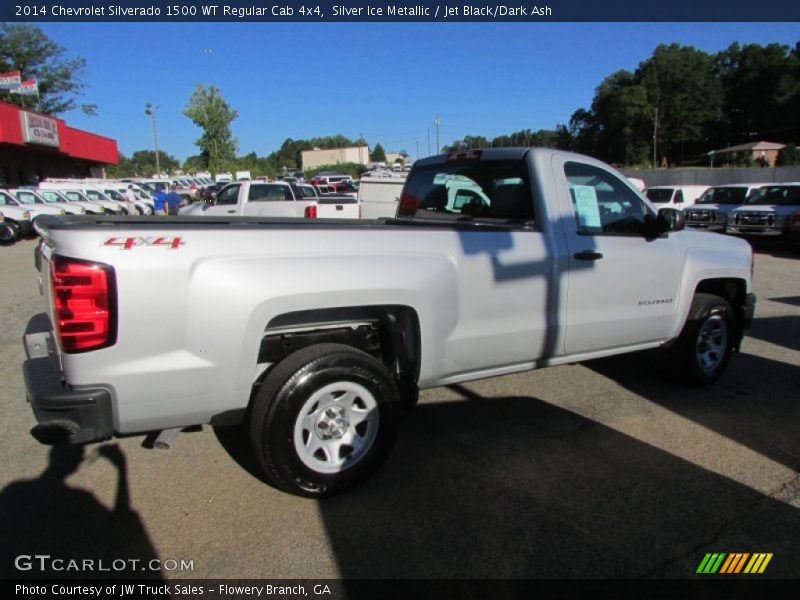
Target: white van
x: 674, y: 196
x: 80, y: 192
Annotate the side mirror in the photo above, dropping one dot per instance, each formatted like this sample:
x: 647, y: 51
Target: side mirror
x: 670, y: 219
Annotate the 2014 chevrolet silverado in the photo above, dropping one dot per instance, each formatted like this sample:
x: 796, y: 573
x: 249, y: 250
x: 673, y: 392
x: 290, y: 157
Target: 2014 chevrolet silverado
x: 316, y: 334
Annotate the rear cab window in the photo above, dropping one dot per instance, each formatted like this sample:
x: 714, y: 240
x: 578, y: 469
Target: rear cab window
x: 469, y: 189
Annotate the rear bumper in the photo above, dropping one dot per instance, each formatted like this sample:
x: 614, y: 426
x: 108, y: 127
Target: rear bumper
x: 64, y: 414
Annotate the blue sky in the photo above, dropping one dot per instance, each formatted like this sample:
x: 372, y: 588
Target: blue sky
x: 385, y: 80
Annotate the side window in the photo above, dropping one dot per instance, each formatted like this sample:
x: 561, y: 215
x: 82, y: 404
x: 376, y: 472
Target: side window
x: 602, y: 203
x: 679, y: 197
x: 269, y: 193
x: 50, y: 196
x: 4, y: 200
x: 26, y: 197
x: 228, y: 195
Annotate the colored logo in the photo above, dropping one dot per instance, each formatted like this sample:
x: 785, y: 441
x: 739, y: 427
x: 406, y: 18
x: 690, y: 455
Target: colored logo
x: 734, y: 563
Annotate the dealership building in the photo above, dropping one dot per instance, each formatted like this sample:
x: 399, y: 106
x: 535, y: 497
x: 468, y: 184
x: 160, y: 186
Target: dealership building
x: 334, y: 156
x: 34, y: 146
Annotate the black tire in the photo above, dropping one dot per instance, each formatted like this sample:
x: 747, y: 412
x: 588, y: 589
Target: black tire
x: 278, y: 427
x: 704, y: 347
x: 8, y: 233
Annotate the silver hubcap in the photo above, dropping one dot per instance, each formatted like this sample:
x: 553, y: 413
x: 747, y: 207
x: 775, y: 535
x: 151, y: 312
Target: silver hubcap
x: 336, y: 427
x: 712, y: 343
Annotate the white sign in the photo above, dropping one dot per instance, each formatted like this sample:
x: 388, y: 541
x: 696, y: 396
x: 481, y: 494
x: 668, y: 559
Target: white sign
x: 37, y: 129
x: 10, y: 80
x: 586, y: 207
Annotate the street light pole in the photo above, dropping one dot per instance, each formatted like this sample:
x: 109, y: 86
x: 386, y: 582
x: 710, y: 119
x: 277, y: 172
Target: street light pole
x: 149, y: 109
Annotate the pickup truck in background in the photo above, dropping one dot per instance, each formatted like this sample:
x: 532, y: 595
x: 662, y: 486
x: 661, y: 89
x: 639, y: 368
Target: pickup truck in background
x: 767, y: 213
x: 276, y: 199
x: 715, y: 204
x: 314, y: 336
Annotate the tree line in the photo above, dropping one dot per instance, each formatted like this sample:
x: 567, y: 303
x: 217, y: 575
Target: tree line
x: 678, y: 105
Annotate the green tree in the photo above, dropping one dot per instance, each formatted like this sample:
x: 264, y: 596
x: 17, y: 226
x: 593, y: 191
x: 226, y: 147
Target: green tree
x: 789, y: 156
x: 194, y: 164
x: 208, y: 110
x: 378, y: 154
x: 682, y: 86
x: 761, y: 93
x: 27, y: 49
x: 142, y: 163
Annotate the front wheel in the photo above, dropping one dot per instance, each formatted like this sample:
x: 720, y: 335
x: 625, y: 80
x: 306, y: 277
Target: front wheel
x: 8, y: 233
x: 705, y: 345
x: 324, y: 420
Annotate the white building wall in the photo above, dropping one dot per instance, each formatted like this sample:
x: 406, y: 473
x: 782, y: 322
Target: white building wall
x: 334, y: 156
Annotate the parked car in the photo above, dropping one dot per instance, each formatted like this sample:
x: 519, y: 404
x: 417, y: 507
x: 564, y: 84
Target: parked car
x: 277, y: 199
x: 715, y: 204
x: 766, y: 213
x: 27, y: 202
x: 76, y: 198
x: 29, y: 196
x: 317, y: 335
x: 674, y: 196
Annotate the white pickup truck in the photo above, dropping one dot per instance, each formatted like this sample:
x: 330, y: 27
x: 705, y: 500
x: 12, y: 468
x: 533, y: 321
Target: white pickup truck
x: 274, y: 199
x: 315, y: 335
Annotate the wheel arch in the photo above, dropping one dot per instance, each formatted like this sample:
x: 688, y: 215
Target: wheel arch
x: 734, y: 291
x: 390, y: 333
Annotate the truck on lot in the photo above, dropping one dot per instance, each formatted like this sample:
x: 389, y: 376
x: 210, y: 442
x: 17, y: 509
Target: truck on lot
x: 314, y: 336
x: 276, y: 199
x: 767, y: 213
x: 715, y: 204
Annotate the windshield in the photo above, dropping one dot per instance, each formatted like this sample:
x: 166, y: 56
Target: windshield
x: 25, y: 197
x: 50, y: 196
x: 659, y: 196
x: 723, y: 195
x: 473, y: 188
x: 6, y: 200
x: 785, y: 195
x: 95, y: 195
x: 114, y: 195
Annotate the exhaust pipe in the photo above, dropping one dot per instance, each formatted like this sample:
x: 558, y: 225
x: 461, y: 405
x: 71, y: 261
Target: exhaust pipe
x: 165, y: 438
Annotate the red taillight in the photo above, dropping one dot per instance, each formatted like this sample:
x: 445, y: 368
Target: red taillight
x: 310, y: 212
x: 84, y: 304
x: 408, y: 205
x: 473, y: 155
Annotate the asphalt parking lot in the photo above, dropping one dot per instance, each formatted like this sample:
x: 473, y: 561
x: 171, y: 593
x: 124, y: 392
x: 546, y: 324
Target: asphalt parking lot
x: 598, y: 470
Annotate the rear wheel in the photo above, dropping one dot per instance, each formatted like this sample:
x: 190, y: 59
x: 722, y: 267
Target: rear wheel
x: 324, y: 420
x: 705, y: 345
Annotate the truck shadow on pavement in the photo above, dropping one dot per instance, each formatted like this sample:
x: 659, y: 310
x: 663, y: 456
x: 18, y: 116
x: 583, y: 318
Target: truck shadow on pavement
x: 47, y: 517
x: 783, y: 331
x: 514, y: 487
x: 754, y: 403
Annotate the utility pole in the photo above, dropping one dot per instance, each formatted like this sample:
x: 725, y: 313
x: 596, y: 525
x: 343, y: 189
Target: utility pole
x: 655, y: 138
x: 429, y: 141
x: 417, y: 149
x: 149, y: 109
x: 437, y: 122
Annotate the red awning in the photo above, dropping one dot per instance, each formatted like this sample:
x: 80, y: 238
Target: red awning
x: 71, y: 142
